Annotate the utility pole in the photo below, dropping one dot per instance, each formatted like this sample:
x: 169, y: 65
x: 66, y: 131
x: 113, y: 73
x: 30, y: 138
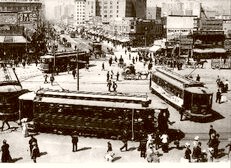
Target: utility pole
x: 77, y: 68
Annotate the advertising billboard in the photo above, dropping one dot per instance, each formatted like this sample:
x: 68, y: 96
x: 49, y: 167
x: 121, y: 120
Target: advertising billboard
x: 8, y: 18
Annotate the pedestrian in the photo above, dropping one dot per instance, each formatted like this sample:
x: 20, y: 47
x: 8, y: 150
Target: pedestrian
x: 103, y: 68
x: 109, y: 156
x: 117, y: 76
x: 187, y: 154
x: 31, y: 141
x: 114, y: 86
x: 45, y: 78
x: 52, y: 79
x: 218, y: 81
x: 130, y: 56
x: 210, y: 154
x: 216, y: 145
x: 73, y: 73
x: 6, y: 158
x: 5, y: 121
x: 218, y: 96
x: 110, y: 61
x: 25, y: 129
x: 143, y: 148
x: 196, y: 141
x: 197, y: 154
x: 211, y: 131
x: 108, y: 75
x: 109, y: 146
x: 109, y: 84
x: 68, y: 68
x: 198, y: 78
x: 74, y: 140
x: 136, y: 58
x: 115, y: 59
x: 112, y: 74
x: 150, y: 153
x: 229, y: 148
x: 125, y: 141
x: 164, y: 141
x: 35, y: 152
x: 182, y: 111
x: 133, y: 60
x: 226, y: 85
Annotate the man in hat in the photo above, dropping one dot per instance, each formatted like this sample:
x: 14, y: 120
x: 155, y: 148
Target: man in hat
x: 211, y: 131
x: 74, y: 141
x: 229, y: 147
x: 5, y: 152
x: 35, y: 152
x: 187, y: 154
x: 31, y: 141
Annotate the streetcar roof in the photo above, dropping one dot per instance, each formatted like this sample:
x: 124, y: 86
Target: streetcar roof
x: 169, y: 80
x: 198, y: 90
x: 10, y: 88
x: 178, y: 77
x: 90, y: 103
x: 97, y: 95
x: 27, y: 96
x: 46, y: 57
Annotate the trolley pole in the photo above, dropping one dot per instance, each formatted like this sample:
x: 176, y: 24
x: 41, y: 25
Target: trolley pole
x: 77, y: 68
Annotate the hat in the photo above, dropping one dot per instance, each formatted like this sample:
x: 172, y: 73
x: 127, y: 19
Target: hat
x: 211, y: 149
x: 187, y: 144
x: 203, y: 151
x: 196, y: 138
x: 34, y: 143
x: 4, y: 141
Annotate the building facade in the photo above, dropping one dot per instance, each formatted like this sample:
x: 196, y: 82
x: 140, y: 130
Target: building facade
x: 19, y: 19
x: 153, y: 13
x: 30, y: 12
x: 80, y: 12
x: 178, y: 26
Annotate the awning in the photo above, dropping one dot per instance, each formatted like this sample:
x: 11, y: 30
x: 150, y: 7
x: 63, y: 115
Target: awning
x: 155, y: 48
x: 13, y: 39
x: 209, y: 50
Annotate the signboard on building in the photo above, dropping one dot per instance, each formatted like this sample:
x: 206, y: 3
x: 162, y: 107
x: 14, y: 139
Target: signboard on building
x: 27, y: 17
x: 8, y: 18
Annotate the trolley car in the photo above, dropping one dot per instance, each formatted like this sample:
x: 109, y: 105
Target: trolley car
x: 61, y: 61
x: 192, y: 97
x: 91, y: 114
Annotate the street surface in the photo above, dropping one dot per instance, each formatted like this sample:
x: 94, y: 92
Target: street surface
x: 57, y: 148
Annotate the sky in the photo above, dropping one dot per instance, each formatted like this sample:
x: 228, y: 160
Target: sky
x: 226, y: 4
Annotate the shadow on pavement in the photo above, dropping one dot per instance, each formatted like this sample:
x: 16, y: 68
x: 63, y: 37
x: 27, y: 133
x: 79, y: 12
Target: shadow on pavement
x: 175, y: 134
x: 16, y: 159
x: 132, y: 149
x: 116, y: 158
x: 84, y: 148
x: 215, y: 116
x: 43, y: 153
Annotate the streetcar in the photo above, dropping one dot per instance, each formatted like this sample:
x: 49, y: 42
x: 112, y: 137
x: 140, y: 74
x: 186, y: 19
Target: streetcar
x: 10, y: 90
x: 187, y: 95
x: 63, y: 60
x: 91, y: 114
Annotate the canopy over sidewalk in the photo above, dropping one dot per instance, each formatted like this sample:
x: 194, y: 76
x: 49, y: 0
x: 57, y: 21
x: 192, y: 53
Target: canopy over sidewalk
x: 13, y: 39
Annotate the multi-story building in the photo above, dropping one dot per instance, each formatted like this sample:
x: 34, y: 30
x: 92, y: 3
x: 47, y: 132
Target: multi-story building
x: 153, y: 12
x: 90, y: 10
x: 80, y: 11
x: 111, y: 9
x: 58, y: 12
x: 211, y: 24
x: 172, y: 7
